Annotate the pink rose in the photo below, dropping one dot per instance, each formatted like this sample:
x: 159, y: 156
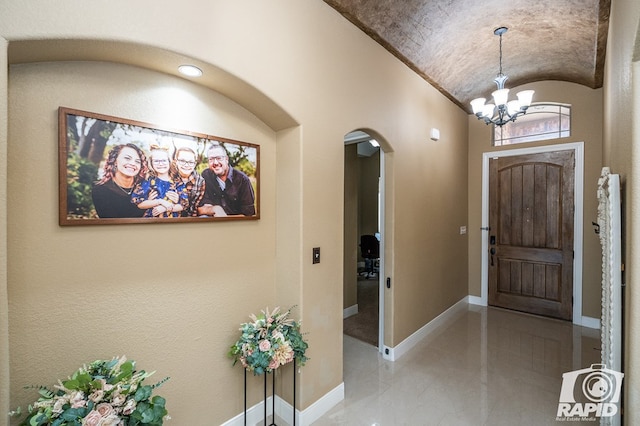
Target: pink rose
x: 264, y: 345
x: 104, y: 409
x: 111, y: 420
x: 92, y: 419
x: 274, y: 364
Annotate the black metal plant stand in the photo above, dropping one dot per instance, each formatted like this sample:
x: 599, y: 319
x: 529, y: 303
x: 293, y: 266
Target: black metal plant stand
x: 273, y: 397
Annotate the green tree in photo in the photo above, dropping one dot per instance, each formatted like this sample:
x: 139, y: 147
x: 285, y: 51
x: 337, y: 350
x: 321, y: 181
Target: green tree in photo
x: 81, y: 174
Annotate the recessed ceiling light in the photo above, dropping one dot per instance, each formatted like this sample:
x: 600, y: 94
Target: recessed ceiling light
x: 190, y: 70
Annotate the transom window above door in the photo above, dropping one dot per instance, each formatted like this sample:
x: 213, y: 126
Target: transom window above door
x: 542, y: 121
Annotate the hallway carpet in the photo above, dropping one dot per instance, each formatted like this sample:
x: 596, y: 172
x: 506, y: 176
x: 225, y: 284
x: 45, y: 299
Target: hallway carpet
x: 364, y: 325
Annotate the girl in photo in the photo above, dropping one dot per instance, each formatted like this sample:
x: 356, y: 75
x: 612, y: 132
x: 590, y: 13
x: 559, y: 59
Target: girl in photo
x: 157, y: 195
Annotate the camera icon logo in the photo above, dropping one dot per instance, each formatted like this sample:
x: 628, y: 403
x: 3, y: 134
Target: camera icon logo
x: 590, y: 392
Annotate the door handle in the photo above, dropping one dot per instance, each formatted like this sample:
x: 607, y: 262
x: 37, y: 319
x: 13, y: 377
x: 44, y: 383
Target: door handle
x: 492, y: 251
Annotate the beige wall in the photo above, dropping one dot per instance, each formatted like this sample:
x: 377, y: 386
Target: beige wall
x: 283, y: 62
x: 622, y: 152
x: 161, y: 294
x: 586, y: 126
x: 429, y: 199
x: 351, y: 249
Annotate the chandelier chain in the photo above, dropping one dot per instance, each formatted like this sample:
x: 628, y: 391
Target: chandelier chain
x: 500, y: 55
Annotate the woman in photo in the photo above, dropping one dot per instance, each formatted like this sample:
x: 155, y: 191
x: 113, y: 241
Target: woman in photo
x: 157, y: 195
x: 125, y: 167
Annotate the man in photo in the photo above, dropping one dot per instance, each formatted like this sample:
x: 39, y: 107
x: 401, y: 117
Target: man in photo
x: 228, y: 191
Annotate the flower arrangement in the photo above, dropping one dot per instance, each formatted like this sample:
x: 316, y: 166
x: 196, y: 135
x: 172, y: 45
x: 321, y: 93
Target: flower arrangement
x: 103, y: 393
x: 270, y: 340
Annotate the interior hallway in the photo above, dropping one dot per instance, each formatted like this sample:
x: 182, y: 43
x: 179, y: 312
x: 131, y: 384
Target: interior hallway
x: 484, y: 366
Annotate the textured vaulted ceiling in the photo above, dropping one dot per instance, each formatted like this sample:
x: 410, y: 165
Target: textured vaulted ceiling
x: 451, y: 44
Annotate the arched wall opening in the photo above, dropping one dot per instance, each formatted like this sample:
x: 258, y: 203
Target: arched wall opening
x: 367, y: 261
x: 235, y: 108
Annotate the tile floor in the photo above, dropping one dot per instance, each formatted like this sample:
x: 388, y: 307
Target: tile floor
x: 484, y: 366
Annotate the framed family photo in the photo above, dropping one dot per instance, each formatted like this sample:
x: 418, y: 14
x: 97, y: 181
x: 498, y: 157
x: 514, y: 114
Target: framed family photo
x: 114, y: 170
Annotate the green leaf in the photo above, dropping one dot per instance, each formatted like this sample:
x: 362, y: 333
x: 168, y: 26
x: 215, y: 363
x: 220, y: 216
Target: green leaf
x: 158, y: 400
x: 38, y: 420
x: 71, y: 384
x: 84, y: 378
x: 72, y: 414
x: 45, y: 392
x: 126, y: 371
x: 143, y: 393
x: 147, y: 416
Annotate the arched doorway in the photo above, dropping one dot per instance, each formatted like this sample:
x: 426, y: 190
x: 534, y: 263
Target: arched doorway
x: 363, y: 285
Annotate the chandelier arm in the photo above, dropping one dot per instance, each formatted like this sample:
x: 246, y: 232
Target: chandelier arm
x: 501, y: 114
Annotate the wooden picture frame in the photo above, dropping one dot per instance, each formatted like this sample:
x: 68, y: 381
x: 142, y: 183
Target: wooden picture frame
x: 115, y: 171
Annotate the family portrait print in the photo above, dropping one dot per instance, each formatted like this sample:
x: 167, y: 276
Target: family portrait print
x: 114, y: 170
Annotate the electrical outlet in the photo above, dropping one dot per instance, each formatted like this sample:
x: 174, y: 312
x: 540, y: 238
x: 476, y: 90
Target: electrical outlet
x: 463, y: 230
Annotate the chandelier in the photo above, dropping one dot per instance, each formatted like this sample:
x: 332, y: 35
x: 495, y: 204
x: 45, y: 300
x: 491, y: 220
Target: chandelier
x: 502, y: 110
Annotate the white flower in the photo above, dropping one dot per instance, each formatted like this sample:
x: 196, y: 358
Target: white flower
x: 77, y: 399
x: 58, y: 404
x: 118, y: 399
x: 96, y: 395
x: 129, y: 407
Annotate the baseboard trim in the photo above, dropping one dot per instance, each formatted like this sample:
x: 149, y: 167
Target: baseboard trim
x: 284, y: 410
x: 350, y: 311
x: 255, y: 414
x: 408, y: 343
x: 591, y: 322
x: 476, y: 300
x: 322, y: 406
x: 588, y: 322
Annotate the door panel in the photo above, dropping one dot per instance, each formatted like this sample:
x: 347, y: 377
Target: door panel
x: 531, y: 217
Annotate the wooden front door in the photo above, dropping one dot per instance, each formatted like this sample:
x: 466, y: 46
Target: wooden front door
x: 531, y: 209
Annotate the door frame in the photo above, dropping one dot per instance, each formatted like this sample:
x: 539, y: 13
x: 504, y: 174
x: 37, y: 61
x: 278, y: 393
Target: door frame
x: 381, y: 271
x: 366, y: 135
x: 578, y: 218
